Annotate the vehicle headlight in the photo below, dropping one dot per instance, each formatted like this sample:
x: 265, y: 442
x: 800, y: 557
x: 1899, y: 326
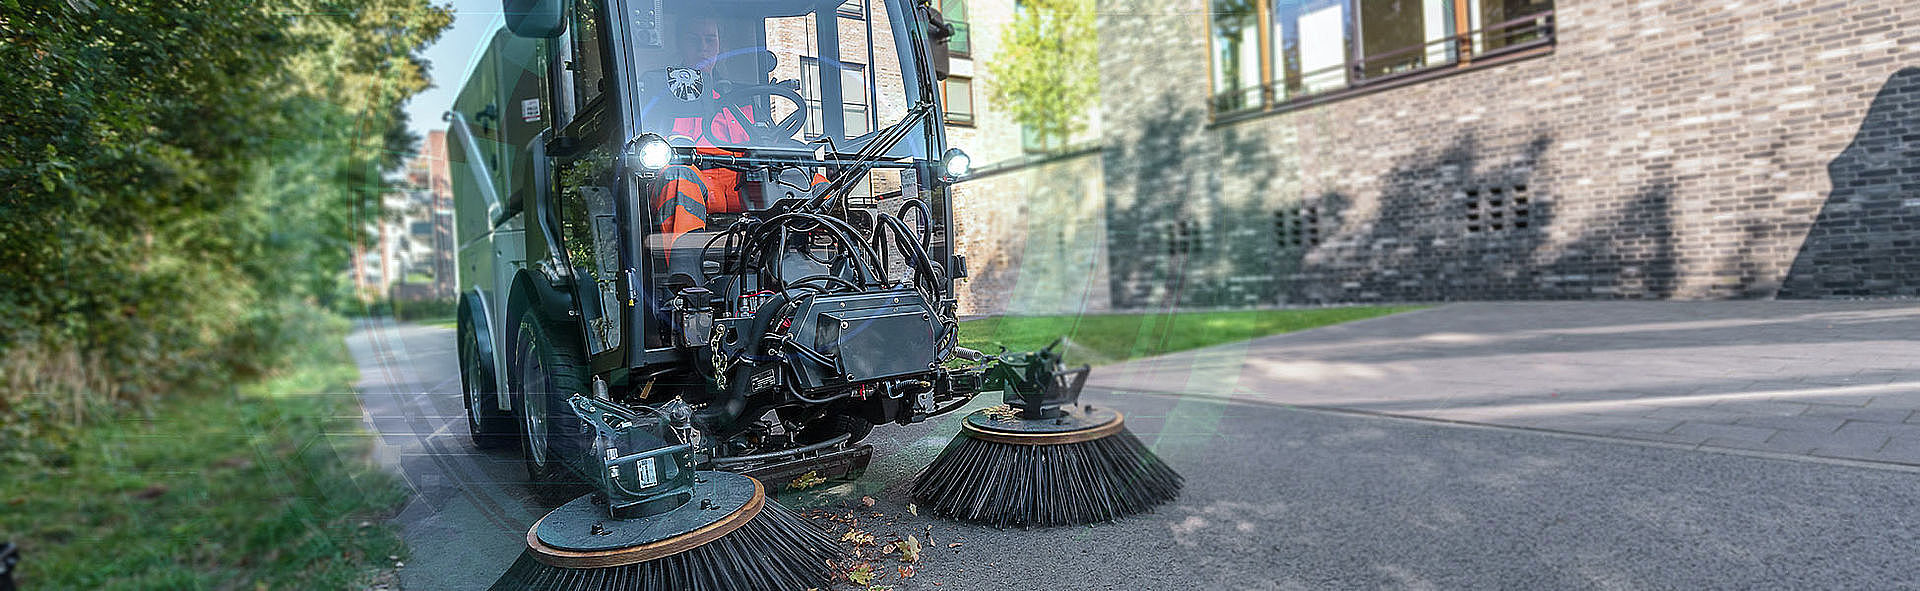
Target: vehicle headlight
x: 648, y: 154
x: 956, y: 164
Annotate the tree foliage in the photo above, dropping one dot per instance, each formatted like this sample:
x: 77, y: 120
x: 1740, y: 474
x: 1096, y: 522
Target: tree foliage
x: 1044, y: 73
x: 175, y: 178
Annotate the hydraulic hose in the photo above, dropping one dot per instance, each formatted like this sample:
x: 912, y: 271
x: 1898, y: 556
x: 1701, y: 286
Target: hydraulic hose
x: 926, y: 220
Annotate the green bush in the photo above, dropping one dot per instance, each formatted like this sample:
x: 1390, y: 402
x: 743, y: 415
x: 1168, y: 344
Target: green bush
x: 180, y: 180
x: 262, y: 486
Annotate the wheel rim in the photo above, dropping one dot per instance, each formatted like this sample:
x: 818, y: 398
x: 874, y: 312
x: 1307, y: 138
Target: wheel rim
x: 535, y: 400
x: 470, y: 375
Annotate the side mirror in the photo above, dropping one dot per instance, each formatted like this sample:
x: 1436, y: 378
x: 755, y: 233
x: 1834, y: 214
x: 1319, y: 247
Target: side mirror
x: 535, y: 19
x: 938, y: 34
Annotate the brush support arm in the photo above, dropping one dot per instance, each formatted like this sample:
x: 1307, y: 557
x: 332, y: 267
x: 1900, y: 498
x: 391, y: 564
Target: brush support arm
x: 1035, y: 382
x: 644, y: 469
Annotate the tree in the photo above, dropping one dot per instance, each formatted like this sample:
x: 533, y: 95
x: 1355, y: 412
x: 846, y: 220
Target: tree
x: 1044, y: 73
x: 177, y: 177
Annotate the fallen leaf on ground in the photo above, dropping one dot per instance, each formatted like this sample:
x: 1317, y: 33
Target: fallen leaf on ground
x: 910, y: 550
x: 806, y: 481
x: 858, y: 538
x: 868, y: 501
x: 861, y: 574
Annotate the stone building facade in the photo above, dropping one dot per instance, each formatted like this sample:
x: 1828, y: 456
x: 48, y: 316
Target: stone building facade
x: 1032, y: 224
x: 1651, y: 149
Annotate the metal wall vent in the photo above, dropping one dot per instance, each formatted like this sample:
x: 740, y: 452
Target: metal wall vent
x: 1498, y: 209
x: 1296, y: 227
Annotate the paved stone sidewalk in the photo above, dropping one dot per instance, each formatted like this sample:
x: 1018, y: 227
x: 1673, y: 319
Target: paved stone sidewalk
x: 1830, y: 379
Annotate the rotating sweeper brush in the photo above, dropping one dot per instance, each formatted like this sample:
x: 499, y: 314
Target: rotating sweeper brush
x: 657, y: 524
x: 1043, y: 459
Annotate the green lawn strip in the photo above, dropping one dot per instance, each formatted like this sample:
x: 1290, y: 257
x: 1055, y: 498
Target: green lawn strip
x: 265, y: 486
x: 1108, y: 338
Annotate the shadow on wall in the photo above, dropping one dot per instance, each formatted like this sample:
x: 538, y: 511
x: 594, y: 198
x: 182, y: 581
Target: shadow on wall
x: 1866, y: 240
x: 1140, y: 276
x: 1462, y: 223
x: 1448, y: 226
x: 1195, y: 228
x: 1468, y: 223
x: 1625, y: 250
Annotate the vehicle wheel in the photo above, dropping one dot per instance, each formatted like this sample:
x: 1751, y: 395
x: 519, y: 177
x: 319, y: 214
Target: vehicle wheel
x: 831, y: 426
x: 487, y: 425
x: 550, y: 370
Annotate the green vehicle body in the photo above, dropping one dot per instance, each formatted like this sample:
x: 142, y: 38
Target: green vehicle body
x: 556, y: 220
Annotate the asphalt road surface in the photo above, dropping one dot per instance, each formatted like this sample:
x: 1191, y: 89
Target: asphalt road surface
x: 1276, y: 498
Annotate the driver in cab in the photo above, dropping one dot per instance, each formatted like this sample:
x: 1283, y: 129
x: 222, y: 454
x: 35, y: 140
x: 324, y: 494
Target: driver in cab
x: 689, y: 195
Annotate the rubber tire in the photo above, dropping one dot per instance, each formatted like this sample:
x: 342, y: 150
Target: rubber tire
x: 550, y: 369
x: 487, y: 426
x: 831, y: 426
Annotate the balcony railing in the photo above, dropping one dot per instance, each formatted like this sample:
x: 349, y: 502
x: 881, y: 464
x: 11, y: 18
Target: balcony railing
x: 1385, y: 69
x: 962, y: 42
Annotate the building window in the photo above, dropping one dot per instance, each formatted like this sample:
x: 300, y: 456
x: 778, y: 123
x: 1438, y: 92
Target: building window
x: 1500, y: 24
x: 955, y: 12
x: 957, y: 91
x: 856, y: 9
x: 1315, y: 47
x: 853, y: 92
x: 1405, y: 35
x: 1236, y: 55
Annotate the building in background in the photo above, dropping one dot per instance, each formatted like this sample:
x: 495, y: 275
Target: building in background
x: 439, y: 184
x: 409, y: 250
x: 1283, y: 152
x: 1030, y: 222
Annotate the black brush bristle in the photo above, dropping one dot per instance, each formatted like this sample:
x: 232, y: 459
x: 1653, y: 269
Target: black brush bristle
x: 775, y: 551
x: 1007, y: 485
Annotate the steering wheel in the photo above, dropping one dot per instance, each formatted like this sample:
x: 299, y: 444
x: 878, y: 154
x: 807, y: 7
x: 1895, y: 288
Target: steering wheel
x: 763, y: 133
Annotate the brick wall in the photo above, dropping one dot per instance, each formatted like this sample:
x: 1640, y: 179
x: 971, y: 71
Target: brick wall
x: 1661, y: 150
x: 1034, y: 233
x: 1034, y: 238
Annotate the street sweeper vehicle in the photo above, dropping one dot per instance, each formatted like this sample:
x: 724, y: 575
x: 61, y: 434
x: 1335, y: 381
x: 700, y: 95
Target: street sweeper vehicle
x: 705, y: 248
x: 740, y: 206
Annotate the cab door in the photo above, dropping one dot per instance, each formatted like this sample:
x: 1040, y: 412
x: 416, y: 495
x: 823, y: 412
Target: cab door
x: 585, y: 180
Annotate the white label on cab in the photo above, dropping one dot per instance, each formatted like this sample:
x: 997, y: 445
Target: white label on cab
x: 530, y: 110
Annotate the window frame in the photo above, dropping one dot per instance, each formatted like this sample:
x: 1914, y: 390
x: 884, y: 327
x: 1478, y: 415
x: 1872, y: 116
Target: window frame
x: 973, y: 111
x: 962, y: 29
x: 859, y: 13
x: 813, y: 62
x: 1465, y: 46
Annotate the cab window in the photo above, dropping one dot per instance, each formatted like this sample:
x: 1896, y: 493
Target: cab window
x: 589, y: 73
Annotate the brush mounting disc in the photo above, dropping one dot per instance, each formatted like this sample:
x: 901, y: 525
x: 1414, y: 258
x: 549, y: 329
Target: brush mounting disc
x: 1079, y: 423
x: 579, y: 534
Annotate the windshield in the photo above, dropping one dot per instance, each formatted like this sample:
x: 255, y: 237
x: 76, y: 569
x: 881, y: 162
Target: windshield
x: 771, y: 75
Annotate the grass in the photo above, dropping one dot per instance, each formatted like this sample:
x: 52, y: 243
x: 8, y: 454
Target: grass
x: 1107, y: 338
x: 264, y: 486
